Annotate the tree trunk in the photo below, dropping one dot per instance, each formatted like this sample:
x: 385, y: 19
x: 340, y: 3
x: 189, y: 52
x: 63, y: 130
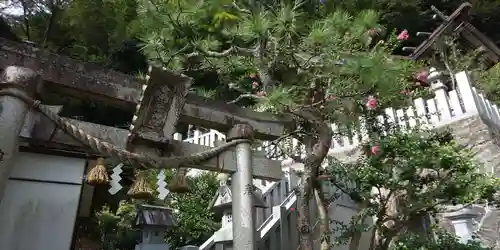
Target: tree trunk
x: 354, y: 243
x: 305, y: 230
x: 312, y: 164
x: 54, y: 11
x: 324, y: 220
x: 26, y: 16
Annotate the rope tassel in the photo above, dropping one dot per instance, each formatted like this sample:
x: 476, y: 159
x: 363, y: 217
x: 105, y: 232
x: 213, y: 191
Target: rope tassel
x: 98, y: 175
x: 178, y: 184
x: 140, y: 189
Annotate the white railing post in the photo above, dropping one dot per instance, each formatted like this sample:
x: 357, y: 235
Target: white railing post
x: 213, y: 137
x: 335, y: 143
x: 464, y: 86
x: 412, y: 121
x: 401, y: 120
x: 486, y: 107
x: 422, y: 118
x: 363, y: 129
x: 433, y: 112
x: 391, y: 119
x: 196, y: 136
x: 455, y: 105
x: 496, y: 112
x: 178, y: 136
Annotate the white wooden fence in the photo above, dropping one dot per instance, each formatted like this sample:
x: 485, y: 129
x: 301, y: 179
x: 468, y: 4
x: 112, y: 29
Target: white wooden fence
x: 447, y: 106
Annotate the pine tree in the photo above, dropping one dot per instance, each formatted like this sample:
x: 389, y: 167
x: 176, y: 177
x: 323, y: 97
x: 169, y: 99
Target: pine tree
x: 305, y: 59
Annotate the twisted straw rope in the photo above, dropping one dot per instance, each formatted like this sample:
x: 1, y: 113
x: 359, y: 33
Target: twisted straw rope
x: 110, y: 150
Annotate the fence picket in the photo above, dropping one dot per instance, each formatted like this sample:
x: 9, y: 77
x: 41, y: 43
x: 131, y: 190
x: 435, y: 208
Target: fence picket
x: 456, y: 108
x: 433, y: 112
x: 422, y: 118
x: 410, y: 113
x: 400, y: 117
x: 442, y: 105
x: 464, y: 86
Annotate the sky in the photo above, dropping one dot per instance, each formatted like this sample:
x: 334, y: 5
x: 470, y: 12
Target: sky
x: 10, y: 10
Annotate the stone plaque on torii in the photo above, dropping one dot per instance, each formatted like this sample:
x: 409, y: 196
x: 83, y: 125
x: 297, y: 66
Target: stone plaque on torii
x: 162, y: 106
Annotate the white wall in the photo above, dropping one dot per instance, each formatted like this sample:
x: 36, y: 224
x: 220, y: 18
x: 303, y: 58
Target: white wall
x: 36, y: 214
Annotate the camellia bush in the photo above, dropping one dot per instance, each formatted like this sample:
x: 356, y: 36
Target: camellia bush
x: 403, y: 178
x: 441, y: 241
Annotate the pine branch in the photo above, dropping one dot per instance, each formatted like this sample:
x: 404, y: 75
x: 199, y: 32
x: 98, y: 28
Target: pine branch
x: 243, y: 96
x: 297, y: 4
x: 238, y: 8
x: 233, y: 50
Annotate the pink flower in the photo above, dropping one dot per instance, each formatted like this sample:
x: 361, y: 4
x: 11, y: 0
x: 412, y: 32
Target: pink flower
x: 292, y: 209
x: 374, y: 149
x: 261, y: 93
x: 422, y: 76
x: 255, y: 85
x: 403, y: 35
x: 371, y: 104
x: 405, y: 92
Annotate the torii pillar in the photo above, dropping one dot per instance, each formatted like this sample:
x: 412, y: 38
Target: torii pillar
x: 242, y: 189
x: 12, y: 114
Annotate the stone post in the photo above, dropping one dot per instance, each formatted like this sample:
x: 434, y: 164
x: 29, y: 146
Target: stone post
x: 462, y: 221
x: 12, y: 114
x: 437, y: 81
x: 242, y: 190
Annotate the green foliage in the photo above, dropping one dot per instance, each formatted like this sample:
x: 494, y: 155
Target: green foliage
x: 195, y: 223
x: 292, y: 50
x: 442, y: 241
x: 99, y: 28
x: 116, y: 229
x: 487, y: 82
x: 422, y: 171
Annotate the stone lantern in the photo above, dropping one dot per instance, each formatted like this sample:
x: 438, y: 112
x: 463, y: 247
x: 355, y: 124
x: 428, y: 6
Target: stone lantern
x: 154, y: 222
x: 221, y: 205
x: 463, y: 222
x: 437, y: 80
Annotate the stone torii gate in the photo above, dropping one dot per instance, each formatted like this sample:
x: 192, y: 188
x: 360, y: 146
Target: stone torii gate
x: 159, y: 106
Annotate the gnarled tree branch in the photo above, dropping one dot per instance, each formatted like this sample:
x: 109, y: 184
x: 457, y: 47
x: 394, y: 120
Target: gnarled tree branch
x: 233, y: 50
x: 243, y: 96
x: 238, y: 8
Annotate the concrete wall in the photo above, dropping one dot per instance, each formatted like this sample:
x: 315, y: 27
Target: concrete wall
x: 41, y: 203
x: 481, y: 138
